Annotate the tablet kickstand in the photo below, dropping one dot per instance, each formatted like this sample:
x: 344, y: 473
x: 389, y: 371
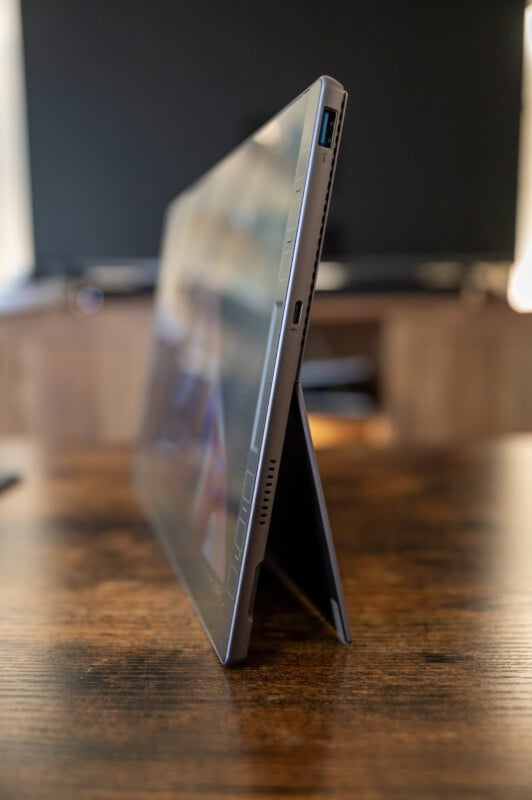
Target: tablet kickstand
x: 300, y: 543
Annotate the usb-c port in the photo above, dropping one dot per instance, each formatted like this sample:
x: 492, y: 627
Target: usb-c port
x: 298, y: 310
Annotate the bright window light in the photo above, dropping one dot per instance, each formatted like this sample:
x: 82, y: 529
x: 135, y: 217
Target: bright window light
x: 16, y: 237
x: 520, y: 284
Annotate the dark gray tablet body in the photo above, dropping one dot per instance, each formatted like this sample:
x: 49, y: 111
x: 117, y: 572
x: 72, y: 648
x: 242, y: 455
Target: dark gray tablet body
x: 224, y: 418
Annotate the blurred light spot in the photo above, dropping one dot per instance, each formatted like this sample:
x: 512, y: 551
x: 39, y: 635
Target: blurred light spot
x: 16, y: 236
x: 90, y: 299
x: 520, y: 284
x: 332, y: 275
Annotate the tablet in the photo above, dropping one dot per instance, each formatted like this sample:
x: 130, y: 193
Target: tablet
x: 240, y: 253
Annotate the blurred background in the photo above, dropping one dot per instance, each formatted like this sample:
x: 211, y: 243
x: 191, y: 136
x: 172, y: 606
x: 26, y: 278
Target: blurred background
x: 111, y: 108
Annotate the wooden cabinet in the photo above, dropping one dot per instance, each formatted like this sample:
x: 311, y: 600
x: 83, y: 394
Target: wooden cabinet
x: 66, y: 375
x: 445, y: 369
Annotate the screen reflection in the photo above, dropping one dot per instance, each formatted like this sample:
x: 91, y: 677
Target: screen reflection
x: 225, y: 267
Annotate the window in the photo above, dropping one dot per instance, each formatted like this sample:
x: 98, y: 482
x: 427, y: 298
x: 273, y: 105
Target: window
x: 16, y: 237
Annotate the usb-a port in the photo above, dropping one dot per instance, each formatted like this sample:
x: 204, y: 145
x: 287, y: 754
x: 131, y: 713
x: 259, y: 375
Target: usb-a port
x: 327, y: 127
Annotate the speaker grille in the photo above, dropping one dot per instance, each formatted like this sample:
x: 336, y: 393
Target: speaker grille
x: 267, y: 495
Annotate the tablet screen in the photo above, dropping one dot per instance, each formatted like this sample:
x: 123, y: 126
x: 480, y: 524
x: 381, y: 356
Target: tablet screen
x: 226, y: 261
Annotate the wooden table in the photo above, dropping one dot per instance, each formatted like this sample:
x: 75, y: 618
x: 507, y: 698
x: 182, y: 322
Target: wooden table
x: 109, y: 688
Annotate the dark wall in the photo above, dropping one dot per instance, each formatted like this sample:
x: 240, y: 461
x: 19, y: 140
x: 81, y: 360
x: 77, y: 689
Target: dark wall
x: 130, y: 100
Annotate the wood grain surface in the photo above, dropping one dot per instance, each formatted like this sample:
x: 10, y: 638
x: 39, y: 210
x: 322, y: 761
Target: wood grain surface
x: 110, y: 689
